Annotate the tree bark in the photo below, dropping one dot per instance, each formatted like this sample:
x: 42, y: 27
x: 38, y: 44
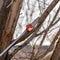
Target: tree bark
x: 8, y: 19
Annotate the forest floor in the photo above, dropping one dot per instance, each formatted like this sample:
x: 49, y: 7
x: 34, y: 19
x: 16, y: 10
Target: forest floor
x: 25, y: 53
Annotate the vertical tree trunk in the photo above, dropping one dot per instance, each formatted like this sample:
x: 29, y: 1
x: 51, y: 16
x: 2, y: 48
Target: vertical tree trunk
x: 8, y: 20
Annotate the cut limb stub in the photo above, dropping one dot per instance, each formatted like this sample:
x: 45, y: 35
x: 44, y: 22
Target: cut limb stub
x: 29, y: 27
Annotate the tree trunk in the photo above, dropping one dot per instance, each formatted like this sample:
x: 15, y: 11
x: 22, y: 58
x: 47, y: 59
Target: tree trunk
x: 8, y: 19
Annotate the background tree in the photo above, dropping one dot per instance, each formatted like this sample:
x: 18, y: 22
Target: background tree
x: 9, y: 11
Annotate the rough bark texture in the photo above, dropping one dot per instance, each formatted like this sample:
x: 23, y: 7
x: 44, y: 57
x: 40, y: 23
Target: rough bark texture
x: 8, y: 20
x: 3, y: 18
